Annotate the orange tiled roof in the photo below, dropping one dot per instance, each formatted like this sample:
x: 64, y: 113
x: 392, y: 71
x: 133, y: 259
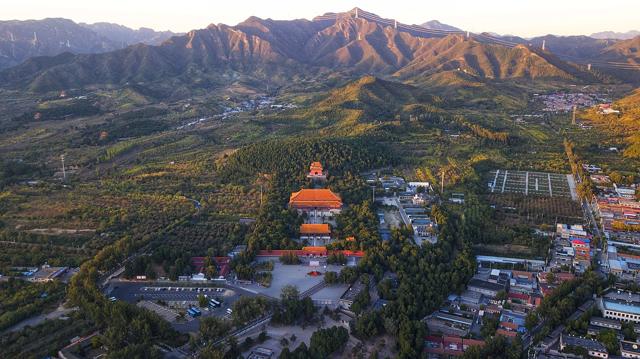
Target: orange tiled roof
x: 509, y: 325
x: 316, y: 197
x: 306, y: 251
x: 472, y: 342
x: 316, y: 165
x: 313, y: 228
x: 349, y: 253
x: 317, y: 249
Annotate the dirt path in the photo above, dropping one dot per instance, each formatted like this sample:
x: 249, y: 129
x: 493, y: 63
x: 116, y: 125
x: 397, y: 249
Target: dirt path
x: 41, y: 318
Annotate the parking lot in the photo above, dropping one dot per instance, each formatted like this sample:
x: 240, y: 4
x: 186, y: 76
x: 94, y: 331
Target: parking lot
x: 180, y: 293
x: 179, y: 297
x: 132, y: 292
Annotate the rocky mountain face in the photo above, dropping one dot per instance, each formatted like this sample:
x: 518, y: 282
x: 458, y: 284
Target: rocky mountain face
x: 21, y: 40
x: 355, y: 42
x: 127, y: 36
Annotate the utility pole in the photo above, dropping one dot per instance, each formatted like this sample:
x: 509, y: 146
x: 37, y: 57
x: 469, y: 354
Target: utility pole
x: 373, y: 194
x: 442, y: 184
x: 573, y: 119
x: 64, y: 172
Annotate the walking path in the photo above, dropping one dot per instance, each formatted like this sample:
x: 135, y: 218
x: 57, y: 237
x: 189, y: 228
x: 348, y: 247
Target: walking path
x: 41, y: 318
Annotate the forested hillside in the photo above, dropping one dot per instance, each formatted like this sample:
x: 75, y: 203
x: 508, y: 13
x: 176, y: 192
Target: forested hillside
x: 625, y: 125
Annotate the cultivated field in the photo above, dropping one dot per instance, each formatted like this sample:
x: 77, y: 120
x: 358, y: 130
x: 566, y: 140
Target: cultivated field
x: 517, y: 209
x: 532, y: 183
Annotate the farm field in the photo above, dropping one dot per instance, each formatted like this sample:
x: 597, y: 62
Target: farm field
x: 531, y: 183
x: 515, y: 209
x: 510, y: 250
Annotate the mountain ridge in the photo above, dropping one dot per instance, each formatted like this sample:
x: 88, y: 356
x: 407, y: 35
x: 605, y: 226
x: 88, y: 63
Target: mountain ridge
x: 276, y: 50
x: 437, y: 25
x: 603, y: 35
x: 24, y: 39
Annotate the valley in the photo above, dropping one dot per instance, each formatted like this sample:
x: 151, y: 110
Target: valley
x: 140, y: 186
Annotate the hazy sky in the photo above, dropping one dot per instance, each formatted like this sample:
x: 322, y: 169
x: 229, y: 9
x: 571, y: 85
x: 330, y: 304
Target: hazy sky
x: 518, y: 17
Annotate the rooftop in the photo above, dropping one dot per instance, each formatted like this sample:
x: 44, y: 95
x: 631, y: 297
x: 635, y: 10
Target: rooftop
x: 453, y: 318
x: 478, y: 283
x: 315, y: 197
x: 605, y: 321
x: 621, y: 306
x: 629, y: 347
x: 315, y: 228
x: 588, y: 344
x: 307, y: 251
x: 470, y: 295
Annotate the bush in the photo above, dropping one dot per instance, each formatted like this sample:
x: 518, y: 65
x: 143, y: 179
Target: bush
x: 331, y: 277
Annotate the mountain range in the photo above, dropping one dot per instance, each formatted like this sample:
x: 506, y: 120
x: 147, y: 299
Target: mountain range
x: 615, y: 35
x: 437, y: 25
x: 21, y: 40
x: 354, y: 43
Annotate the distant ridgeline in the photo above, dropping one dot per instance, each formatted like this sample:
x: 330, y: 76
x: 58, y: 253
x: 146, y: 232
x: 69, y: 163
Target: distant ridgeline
x: 276, y: 52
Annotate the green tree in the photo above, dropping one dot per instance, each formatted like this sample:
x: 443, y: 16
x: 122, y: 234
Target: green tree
x: 628, y: 331
x: 609, y: 339
x: 325, y: 342
x: 489, y: 326
x: 330, y: 277
x: 202, y: 301
x: 497, y: 347
x: 531, y: 320
x: 550, y: 277
x: 246, y: 309
x: 212, y: 328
